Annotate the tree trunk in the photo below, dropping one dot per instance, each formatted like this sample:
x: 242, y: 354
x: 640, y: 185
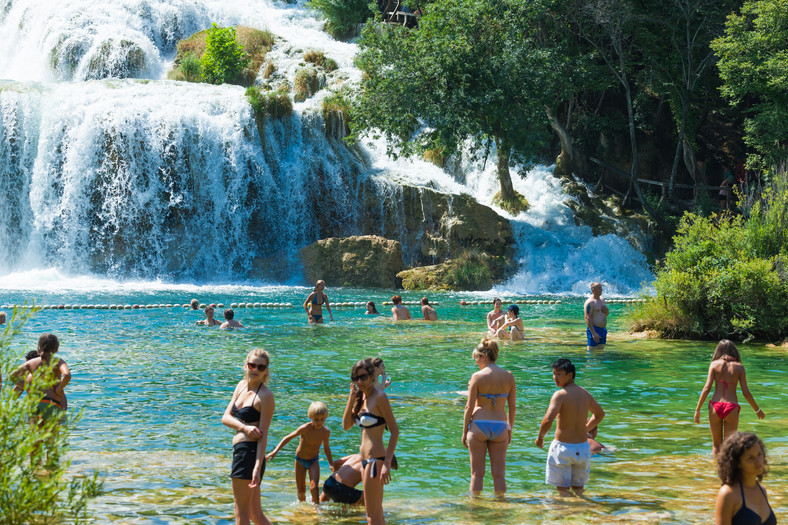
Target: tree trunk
x: 633, y: 141
x: 504, y: 177
x: 564, y: 165
x: 674, y: 170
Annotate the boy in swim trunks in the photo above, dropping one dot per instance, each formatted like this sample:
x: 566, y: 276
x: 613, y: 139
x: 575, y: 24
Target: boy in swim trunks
x: 569, y: 457
x: 596, y: 313
x: 312, y: 436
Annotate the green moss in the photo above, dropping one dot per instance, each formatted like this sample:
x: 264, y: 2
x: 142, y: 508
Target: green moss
x: 336, y: 115
x: 305, y: 84
x: 319, y: 59
x: 517, y: 205
x: 471, y: 270
x: 274, y: 104
x: 103, y: 63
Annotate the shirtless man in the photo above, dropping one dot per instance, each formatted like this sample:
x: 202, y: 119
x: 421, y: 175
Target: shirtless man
x: 428, y: 311
x: 569, y: 457
x: 340, y: 486
x: 195, y: 304
x: 596, y: 313
x: 399, y: 312
x: 495, y: 318
x: 229, y: 321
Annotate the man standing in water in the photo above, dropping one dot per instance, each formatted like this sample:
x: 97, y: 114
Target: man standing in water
x: 569, y: 457
x: 596, y: 313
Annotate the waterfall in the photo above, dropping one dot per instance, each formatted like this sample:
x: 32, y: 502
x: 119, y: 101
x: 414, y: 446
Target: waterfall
x: 107, y: 168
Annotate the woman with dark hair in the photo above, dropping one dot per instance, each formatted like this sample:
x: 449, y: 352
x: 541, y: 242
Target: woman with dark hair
x: 486, y: 426
x: 54, y: 371
x: 513, y: 323
x: 371, y: 310
x: 741, y: 465
x: 726, y: 370
x: 382, y: 381
x: 369, y: 408
x: 249, y: 414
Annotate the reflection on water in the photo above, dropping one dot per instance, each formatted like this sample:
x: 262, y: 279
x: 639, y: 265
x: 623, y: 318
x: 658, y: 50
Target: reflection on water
x: 153, y: 387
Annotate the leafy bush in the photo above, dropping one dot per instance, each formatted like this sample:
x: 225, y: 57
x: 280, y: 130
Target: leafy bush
x: 725, y: 276
x: 275, y: 104
x: 34, y: 486
x: 471, y: 270
x: 318, y: 58
x: 342, y: 16
x: 191, y: 68
x: 224, y: 59
x: 305, y: 84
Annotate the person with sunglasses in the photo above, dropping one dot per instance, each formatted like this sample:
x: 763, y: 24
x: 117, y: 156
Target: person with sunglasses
x: 369, y: 408
x: 249, y: 414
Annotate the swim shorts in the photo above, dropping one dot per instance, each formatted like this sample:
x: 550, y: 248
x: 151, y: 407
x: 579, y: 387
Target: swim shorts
x: 341, y: 493
x: 601, y: 332
x: 244, y: 456
x: 568, y: 464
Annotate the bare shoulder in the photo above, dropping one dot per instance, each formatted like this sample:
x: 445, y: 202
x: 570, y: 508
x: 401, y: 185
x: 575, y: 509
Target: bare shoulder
x: 726, y: 492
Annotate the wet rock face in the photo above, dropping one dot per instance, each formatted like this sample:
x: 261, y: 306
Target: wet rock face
x: 367, y: 261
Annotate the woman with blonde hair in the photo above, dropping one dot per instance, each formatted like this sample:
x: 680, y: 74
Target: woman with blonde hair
x: 727, y: 371
x: 249, y: 414
x: 314, y: 304
x: 486, y: 426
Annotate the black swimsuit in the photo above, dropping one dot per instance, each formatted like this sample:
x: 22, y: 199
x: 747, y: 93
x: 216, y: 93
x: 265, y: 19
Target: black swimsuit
x: 746, y: 516
x: 245, y: 452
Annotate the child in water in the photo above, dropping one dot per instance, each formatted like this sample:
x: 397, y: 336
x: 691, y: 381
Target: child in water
x: 726, y: 370
x: 312, y: 434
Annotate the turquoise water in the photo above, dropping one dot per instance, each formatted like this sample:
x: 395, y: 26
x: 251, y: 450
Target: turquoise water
x: 153, y: 388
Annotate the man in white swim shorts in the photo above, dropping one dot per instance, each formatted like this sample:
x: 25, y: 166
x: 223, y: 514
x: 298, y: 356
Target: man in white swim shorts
x: 569, y: 456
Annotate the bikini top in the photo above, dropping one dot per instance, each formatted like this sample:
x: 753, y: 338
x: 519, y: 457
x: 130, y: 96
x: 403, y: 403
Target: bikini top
x: 369, y: 420
x: 314, y: 298
x: 247, y: 414
x: 493, y: 396
x: 746, y: 516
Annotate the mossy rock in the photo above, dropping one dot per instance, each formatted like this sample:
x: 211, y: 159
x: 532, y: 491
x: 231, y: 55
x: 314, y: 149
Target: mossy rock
x: 306, y: 83
x: 336, y: 115
x: 472, y: 271
x: 273, y: 104
x: 65, y: 56
x: 435, y: 156
x: 514, y: 206
x: 118, y: 59
x: 319, y: 59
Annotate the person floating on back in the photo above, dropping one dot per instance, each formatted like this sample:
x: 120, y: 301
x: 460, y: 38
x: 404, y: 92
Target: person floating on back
x: 312, y: 436
x: 428, y: 311
x: 724, y: 409
x: 569, y: 456
x: 229, y: 322
x: 596, y: 312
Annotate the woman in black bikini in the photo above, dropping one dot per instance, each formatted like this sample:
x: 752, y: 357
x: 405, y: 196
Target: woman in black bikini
x: 314, y: 304
x: 249, y: 414
x: 369, y: 408
x: 741, y: 465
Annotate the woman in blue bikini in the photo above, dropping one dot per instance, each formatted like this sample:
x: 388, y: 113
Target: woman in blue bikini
x: 314, y: 304
x: 487, y: 427
x: 369, y: 408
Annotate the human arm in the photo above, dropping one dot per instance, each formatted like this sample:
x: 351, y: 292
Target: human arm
x: 605, y: 309
x: 22, y: 371
x: 394, y: 313
x: 266, y: 413
x: 328, y: 307
x: 65, y: 378
x: 590, y: 321
x: 327, y: 450
x: 745, y: 391
x: 407, y: 313
x: 307, y: 307
x: 549, y: 417
x: 511, y: 402
x: 723, y: 509
x: 285, y: 440
x: 236, y: 424
x: 347, y: 416
x: 597, y: 414
x: 473, y: 394
x: 385, y: 408
x: 705, y: 392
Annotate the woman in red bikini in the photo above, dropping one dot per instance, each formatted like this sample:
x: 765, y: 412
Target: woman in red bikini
x: 725, y: 372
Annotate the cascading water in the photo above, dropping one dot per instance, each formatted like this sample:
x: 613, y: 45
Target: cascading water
x: 160, y: 179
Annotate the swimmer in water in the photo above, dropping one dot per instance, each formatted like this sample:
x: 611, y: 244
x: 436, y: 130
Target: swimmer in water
x: 428, y: 311
x: 495, y: 318
x: 596, y: 312
x: 209, y: 320
x: 371, y: 310
x: 314, y: 304
x: 513, y: 323
x: 229, y: 321
x: 399, y: 312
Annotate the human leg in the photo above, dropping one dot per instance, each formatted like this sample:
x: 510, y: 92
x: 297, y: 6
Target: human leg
x: 502, y: 334
x: 731, y: 423
x: 497, y: 450
x: 517, y: 335
x: 373, y: 493
x: 558, y: 472
x: 300, y: 479
x: 715, y: 426
x: 247, y: 504
x: 314, y: 481
x: 477, y: 449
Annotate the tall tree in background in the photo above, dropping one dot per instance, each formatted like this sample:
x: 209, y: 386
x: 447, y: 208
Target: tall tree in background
x: 473, y: 71
x: 753, y: 64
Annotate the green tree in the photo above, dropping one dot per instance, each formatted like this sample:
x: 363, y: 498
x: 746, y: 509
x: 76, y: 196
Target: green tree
x: 753, y: 64
x: 342, y: 16
x: 35, y: 486
x: 224, y: 59
x: 474, y: 70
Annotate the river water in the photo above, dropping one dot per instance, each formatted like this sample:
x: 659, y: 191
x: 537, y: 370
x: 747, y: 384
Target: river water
x: 152, y: 387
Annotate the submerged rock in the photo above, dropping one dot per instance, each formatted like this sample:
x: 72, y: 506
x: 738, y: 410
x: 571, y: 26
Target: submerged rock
x: 367, y: 261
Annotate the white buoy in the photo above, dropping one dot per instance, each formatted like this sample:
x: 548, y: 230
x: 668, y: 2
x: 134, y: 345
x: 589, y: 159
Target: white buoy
x: 250, y: 305
x: 258, y: 305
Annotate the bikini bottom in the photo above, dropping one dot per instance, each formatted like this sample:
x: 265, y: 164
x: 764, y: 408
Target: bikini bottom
x: 490, y: 428
x: 374, y: 462
x: 306, y: 463
x: 723, y: 408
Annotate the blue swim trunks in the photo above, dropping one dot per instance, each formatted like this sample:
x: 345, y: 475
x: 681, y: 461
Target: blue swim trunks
x: 601, y: 332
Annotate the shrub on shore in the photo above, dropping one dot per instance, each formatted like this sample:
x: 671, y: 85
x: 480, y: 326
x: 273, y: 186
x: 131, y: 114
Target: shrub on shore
x: 726, y: 277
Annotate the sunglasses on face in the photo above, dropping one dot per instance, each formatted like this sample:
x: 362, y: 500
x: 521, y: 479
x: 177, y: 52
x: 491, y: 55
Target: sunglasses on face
x: 261, y: 368
x: 360, y: 377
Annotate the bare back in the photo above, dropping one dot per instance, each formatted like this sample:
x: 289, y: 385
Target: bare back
x: 573, y: 405
x: 489, y: 390
x: 726, y: 375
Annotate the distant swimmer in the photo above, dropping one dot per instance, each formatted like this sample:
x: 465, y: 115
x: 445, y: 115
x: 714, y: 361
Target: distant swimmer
x: 725, y: 373
x: 399, y: 312
x: 311, y: 436
x: 382, y: 381
x: 495, y: 318
x: 428, y: 311
x: 195, y: 304
x: 314, y: 304
x: 569, y: 457
x: 595, y: 446
x: 229, y: 321
x: 2, y: 318
x: 513, y: 323
x: 53, y: 401
x: 596, y: 313
x: 209, y: 320
x: 371, y: 310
